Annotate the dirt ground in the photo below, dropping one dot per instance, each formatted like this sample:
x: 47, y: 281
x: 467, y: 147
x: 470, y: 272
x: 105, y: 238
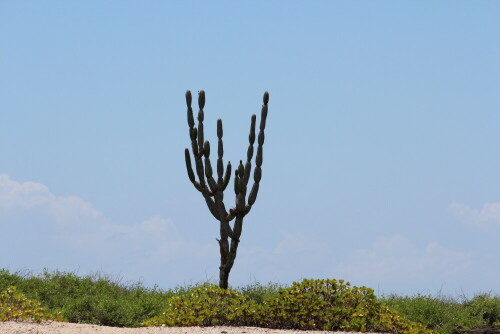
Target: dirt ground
x: 13, y: 327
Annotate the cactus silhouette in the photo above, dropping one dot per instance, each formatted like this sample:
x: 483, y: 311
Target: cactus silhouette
x: 213, y: 191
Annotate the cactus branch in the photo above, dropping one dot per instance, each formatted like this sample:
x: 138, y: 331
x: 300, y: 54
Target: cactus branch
x: 251, y: 136
x: 190, y: 110
x: 212, y: 207
x: 220, y: 153
x: 227, y: 176
x: 188, y: 166
x: 253, y: 194
x: 257, y: 175
x: 200, y: 133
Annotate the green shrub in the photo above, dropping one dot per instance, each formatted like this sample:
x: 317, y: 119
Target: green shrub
x: 208, y: 305
x: 335, y: 306
x: 258, y: 292
x: 7, y: 279
x: 311, y: 304
x: 485, y: 307
x: 390, y: 321
x: 15, y: 306
x: 93, y: 299
x: 446, y: 315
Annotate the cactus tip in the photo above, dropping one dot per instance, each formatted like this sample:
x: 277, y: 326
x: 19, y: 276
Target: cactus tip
x: 241, y: 169
x: 266, y: 97
x: 188, y: 98
x: 201, y: 99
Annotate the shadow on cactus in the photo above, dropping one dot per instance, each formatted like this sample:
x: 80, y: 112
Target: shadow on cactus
x: 213, y: 191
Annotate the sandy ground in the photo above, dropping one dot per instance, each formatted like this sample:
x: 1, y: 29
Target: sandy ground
x: 13, y: 327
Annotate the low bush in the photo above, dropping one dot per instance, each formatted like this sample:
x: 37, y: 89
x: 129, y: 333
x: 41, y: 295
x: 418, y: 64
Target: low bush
x: 447, y: 315
x: 486, y: 307
x: 334, y: 306
x: 15, y: 306
x: 93, y: 299
x: 208, y: 305
x: 309, y: 305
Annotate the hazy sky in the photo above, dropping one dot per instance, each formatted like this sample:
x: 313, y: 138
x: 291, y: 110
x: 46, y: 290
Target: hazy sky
x: 381, y: 160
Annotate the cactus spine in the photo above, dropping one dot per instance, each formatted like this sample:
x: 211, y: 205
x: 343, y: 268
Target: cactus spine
x: 213, y: 191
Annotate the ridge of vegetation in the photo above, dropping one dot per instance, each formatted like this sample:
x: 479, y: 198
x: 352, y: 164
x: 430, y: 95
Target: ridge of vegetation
x: 310, y: 304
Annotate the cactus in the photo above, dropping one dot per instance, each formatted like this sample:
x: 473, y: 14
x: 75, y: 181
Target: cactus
x: 213, y: 190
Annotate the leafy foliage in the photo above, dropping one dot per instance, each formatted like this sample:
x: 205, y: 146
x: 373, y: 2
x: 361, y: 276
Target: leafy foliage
x: 259, y: 292
x: 208, y: 305
x: 92, y: 299
x: 15, y: 306
x: 485, y: 307
x: 447, y: 315
x: 310, y: 304
x: 333, y: 305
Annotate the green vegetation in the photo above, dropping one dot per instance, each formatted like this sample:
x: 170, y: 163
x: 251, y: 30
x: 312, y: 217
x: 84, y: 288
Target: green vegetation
x: 15, y: 306
x: 335, y: 306
x: 208, y: 305
x: 445, y: 314
x: 93, y: 299
x: 310, y: 304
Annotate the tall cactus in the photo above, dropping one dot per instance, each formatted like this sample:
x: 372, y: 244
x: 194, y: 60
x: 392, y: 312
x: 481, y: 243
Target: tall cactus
x: 213, y: 191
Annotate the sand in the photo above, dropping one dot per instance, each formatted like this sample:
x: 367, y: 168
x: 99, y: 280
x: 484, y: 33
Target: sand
x: 53, y: 327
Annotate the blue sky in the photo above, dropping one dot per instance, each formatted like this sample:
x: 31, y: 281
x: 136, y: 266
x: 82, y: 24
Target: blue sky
x: 381, y: 162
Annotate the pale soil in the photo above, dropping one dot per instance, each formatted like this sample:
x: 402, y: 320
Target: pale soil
x: 13, y: 327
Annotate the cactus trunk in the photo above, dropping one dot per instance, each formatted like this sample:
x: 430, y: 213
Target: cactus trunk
x: 228, y: 254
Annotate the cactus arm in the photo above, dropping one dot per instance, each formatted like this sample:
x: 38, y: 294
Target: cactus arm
x: 242, y: 175
x: 201, y: 116
x: 190, y: 170
x: 236, y: 181
x: 227, y: 176
x: 244, y: 172
x: 208, y: 168
x: 194, y: 143
x: 253, y: 195
x: 251, y: 140
x: 190, y: 118
x: 188, y: 166
x: 194, y: 135
x: 200, y: 170
x: 211, y: 207
x: 258, y: 159
x: 197, y: 143
x: 198, y: 151
x: 240, y: 187
x: 220, y: 153
x: 194, y: 146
